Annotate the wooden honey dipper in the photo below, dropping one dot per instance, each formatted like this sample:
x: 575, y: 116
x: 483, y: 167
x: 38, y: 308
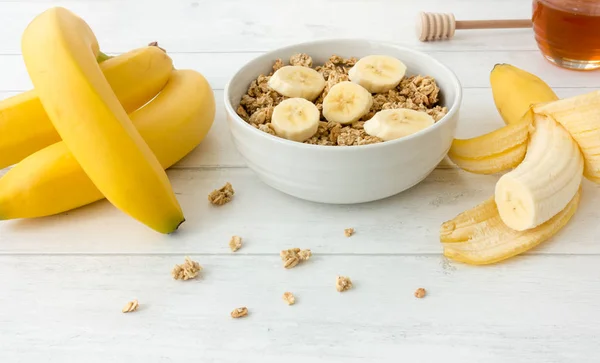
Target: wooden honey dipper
x: 441, y: 26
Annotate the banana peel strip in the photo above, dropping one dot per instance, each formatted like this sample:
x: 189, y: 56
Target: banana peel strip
x: 494, y: 152
x: 506, y: 160
x: 580, y: 116
x: 478, y: 236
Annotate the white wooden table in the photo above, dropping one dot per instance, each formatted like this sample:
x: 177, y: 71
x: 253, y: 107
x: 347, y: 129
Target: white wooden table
x: 64, y: 279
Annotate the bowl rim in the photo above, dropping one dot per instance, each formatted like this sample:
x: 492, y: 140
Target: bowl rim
x: 452, y: 110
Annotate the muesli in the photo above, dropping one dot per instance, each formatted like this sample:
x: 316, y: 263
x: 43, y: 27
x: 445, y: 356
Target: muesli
x: 344, y: 102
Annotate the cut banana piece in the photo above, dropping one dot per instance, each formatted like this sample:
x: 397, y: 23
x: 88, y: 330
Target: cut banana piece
x: 544, y: 183
x: 295, y: 119
x: 377, y: 73
x: 479, y: 237
x: 297, y: 81
x: 396, y: 123
x: 580, y: 115
x: 346, y: 102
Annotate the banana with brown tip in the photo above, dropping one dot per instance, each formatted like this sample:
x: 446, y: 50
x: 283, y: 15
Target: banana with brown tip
x: 59, y: 50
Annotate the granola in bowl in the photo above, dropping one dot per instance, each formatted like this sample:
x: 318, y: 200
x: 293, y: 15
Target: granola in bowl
x: 373, y: 168
x: 408, y: 94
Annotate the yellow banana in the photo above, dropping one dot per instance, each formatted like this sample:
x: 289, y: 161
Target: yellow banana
x: 478, y: 236
x: 50, y: 181
x: 59, y: 50
x: 494, y: 152
x: 135, y: 77
x: 580, y: 116
x: 515, y: 91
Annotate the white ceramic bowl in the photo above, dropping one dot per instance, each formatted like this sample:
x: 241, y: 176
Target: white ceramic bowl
x: 344, y: 174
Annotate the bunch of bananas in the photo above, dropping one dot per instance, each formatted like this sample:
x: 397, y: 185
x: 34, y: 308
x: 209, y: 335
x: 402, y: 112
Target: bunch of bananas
x: 98, y: 127
x: 546, y: 149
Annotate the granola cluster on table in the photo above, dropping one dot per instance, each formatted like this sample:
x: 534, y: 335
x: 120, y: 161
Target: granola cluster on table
x: 419, y: 93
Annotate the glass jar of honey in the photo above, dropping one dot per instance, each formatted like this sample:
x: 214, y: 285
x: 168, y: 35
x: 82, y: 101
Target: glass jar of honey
x: 568, y: 32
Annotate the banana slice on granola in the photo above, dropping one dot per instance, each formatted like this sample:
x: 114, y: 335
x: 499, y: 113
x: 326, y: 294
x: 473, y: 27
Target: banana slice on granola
x: 297, y: 81
x: 377, y: 73
x: 396, y: 123
x: 295, y: 119
x: 346, y: 102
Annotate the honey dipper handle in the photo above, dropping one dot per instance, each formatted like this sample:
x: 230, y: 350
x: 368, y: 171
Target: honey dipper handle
x: 441, y: 26
x: 493, y: 24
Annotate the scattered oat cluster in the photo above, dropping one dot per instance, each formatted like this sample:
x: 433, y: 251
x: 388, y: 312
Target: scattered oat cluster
x: 235, y: 243
x: 294, y: 256
x: 221, y: 196
x: 419, y: 93
x: 188, y: 270
x: 131, y: 306
x: 290, y: 257
x: 343, y: 283
x: 239, y: 312
x: 420, y: 293
x: 289, y: 298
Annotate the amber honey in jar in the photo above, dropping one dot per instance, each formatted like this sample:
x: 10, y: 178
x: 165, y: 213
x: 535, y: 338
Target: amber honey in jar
x: 568, y: 32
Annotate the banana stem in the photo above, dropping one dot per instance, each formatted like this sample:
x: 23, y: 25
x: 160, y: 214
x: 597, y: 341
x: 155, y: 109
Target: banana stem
x: 155, y: 44
x: 102, y: 57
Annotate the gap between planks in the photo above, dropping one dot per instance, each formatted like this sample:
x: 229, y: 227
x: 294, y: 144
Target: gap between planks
x: 240, y: 254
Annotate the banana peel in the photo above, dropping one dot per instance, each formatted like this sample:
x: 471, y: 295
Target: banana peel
x: 580, y: 116
x: 479, y: 237
x: 515, y: 90
x: 494, y: 152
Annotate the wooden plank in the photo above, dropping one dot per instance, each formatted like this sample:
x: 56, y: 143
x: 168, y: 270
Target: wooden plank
x: 68, y: 308
x: 240, y: 25
x: 472, y: 68
x: 478, y: 116
x: 271, y: 221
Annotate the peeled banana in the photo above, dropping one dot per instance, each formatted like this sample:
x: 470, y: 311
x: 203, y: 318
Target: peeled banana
x: 516, y: 90
x: 59, y: 50
x: 544, y: 183
x: 478, y: 236
x: 135, y: 77
x: 546, y: 142
x: 51, y: 181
